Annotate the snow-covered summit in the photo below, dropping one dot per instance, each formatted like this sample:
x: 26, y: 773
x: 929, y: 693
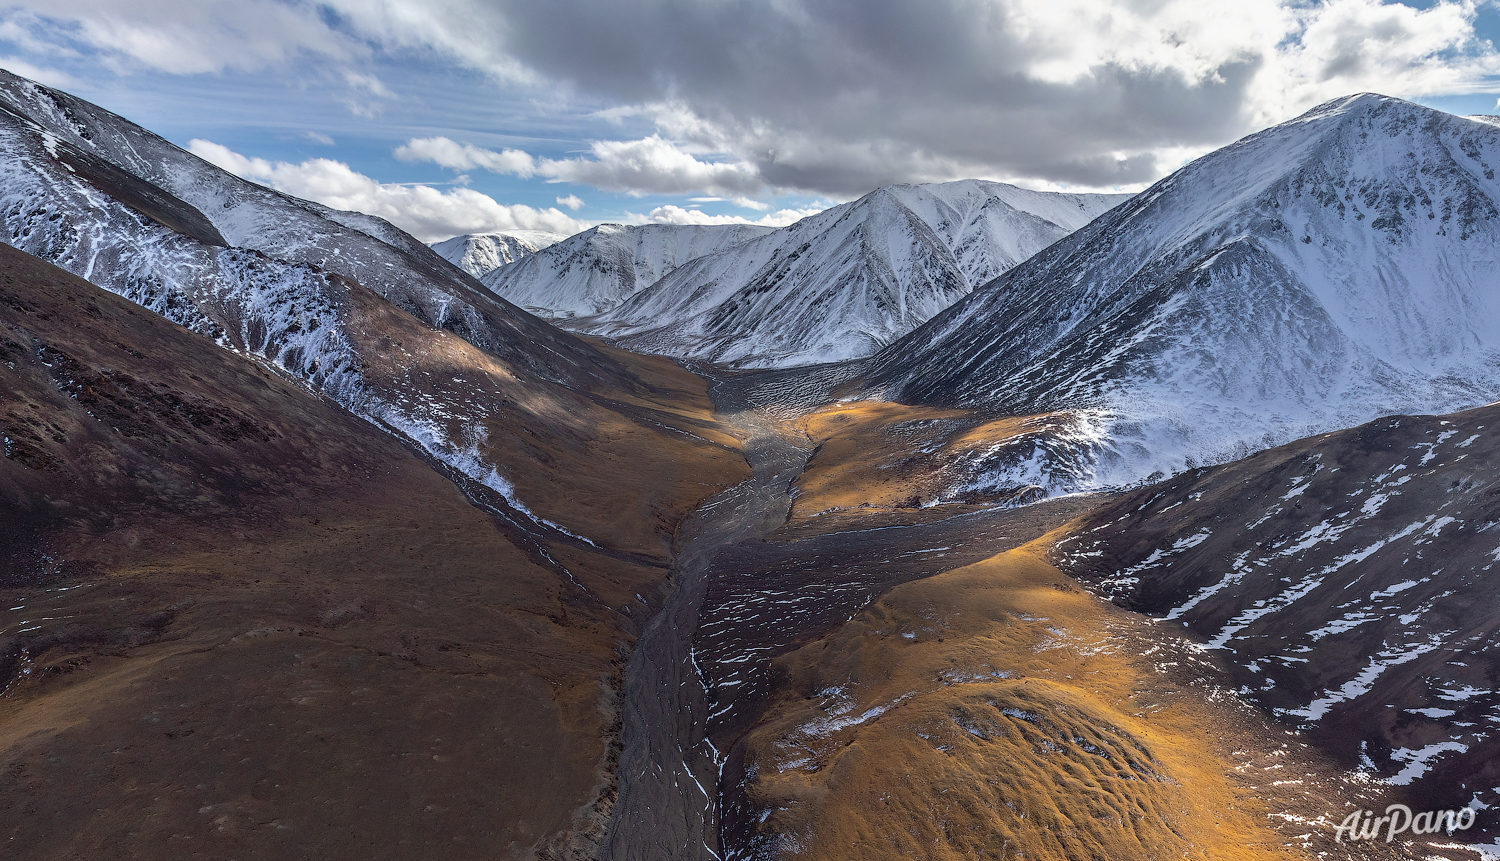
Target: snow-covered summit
x: 594, y: 271
x: 479, y: 254
x: 1316, y: 275
x: 842, y: 283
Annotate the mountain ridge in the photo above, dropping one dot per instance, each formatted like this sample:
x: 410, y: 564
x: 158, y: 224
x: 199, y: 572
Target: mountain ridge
x: 1311, y: 276
x: 594, y: 271
x: 841, y: 283
x: 391, y: 332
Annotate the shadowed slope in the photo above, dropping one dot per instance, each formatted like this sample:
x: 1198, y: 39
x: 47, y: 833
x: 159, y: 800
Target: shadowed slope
x: 367, y: 316
x: 239, y: 622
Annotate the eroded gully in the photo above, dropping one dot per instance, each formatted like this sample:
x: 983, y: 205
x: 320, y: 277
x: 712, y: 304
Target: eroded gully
x: 668, y: 771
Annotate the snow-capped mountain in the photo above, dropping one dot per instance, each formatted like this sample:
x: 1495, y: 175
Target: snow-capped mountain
x: 98, y: 195
x: 596, y: 270
x: 1316, y: 275
x: 360, y: 311
x: 842, y: 283
x: 482, y: 253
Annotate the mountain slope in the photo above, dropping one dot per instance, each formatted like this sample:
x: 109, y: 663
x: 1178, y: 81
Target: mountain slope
x: 515, y: 594
x: 601, y: 267
x: 1347, y: 580
x: 482, y: 253
x: 1312, y: 276
x: 841, y: 284
x: 239, y: 619
x: 361, y: 312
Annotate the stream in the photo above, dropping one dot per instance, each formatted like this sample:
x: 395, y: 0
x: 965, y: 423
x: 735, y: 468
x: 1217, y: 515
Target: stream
x: 668, y: 771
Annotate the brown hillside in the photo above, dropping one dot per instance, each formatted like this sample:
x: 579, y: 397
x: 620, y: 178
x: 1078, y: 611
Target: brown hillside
x: 240, y: 623
x: 1347, y: 581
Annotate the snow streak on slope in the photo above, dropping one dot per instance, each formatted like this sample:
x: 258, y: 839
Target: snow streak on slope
x: 1346, y: 578
x: 1321, y: 273
x: 267, y: 274
x: 479, y: 254
x: 842, y: 283
x: 603, y: 266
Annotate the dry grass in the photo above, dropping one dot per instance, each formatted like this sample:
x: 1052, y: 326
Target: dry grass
x: 620, y: 465
x: 994, y: 711
x: 875, y: 455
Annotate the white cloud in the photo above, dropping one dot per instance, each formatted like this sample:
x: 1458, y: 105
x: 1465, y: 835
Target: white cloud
x: 425, y: 212
x: 187, y: 38
x: 365, y: 94
x: 838, y: 95
x: 650, y: 165
x: 319, y: 138
x: 1348, y: 46
x: 452, y: 154
x: 572, y: 201
x: 369, y: 83
x: 653, y: 165
x: 42, y: 74
x: 670, y: 214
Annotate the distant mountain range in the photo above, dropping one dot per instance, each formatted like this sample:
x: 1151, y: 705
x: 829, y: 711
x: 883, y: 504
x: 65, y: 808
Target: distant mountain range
x: 842, y: 283
x: 603, y: 266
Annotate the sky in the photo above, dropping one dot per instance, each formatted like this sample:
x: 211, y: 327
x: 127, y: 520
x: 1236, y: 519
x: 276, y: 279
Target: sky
x: 465, y: 116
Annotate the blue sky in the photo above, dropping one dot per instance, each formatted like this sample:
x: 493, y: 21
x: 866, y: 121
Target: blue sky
x: 635, y: 110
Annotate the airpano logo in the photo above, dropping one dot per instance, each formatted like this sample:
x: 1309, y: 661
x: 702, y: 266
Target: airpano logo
x: 1398, y: 819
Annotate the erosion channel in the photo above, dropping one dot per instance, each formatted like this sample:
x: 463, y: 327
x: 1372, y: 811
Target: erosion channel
x: 667, y: 806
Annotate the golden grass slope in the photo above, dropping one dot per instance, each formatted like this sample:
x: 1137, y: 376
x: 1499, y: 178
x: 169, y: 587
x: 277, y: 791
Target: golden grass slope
x: 995, y: 711
x: 874, y: 455
x: 619, y: 465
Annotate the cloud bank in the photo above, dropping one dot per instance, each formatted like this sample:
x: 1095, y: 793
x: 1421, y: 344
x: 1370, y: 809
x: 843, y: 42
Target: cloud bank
x: 671, y: 214
x: 433, y: 215
x: 427, y: 213
x: 651, y: 165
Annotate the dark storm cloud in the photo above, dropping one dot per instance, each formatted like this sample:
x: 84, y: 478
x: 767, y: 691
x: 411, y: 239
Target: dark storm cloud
x: 837, y: 96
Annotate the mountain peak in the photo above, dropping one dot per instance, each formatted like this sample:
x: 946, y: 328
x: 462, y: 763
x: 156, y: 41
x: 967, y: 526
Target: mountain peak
x: 842, y: 283
x: 1314, y: 275
x: 594, y: 271
x: 482, y: 253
